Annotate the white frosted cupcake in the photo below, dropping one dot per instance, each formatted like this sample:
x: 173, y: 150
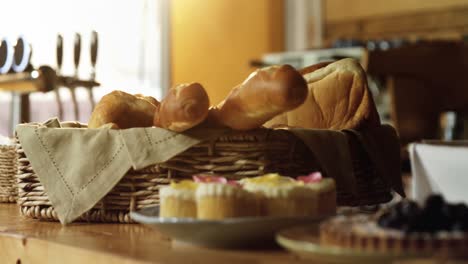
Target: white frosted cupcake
x: 282, y: 196
x: 326, y: 190
x: 178, y: 200
x: 218, y: 199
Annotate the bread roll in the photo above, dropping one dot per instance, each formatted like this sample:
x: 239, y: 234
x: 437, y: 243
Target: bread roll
x: 184, y: 107
x: 122, y: 110
x: 339, y: 98
x: 264, y: 94
x: 314, y: 67
x: 149, y: 99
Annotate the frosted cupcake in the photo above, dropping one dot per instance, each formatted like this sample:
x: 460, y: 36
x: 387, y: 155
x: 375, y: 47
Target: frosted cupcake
x: 178, y: 200
x: 282, y: 196
x: 326, y: 192
x: 218, y: 199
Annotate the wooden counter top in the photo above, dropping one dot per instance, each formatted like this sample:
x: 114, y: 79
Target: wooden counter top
x: 26, y: 241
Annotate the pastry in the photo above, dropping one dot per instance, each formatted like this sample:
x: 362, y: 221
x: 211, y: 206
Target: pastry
x: 178, y: 200
x: 184, y: 107
x: 437, y: 227
x: 283, y: 196
x: 218, y: 199
x: 264, y: 94
x: 338, y: 98
x: 122, y: 110
x: 150, y: 99
x: 326, y: 192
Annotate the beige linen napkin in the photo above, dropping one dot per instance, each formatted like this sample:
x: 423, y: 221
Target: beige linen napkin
x: 79, y: 166
x: 148, y: 146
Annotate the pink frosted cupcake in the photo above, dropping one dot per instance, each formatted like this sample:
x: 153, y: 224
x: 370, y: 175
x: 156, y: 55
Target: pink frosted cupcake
x: 325, y: 188
x: 218, y: 198
x: 282, y: 196
x: 178, y: 200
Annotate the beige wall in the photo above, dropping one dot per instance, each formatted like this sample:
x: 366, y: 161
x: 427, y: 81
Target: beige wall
x: 336, y: 10
x: 212, y: 41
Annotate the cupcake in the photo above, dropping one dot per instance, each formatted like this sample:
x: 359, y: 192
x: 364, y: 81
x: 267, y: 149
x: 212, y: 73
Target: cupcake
x: 178, y: 200
x: 218, y: 198
x: 282, y: 196
x: 326, y: 190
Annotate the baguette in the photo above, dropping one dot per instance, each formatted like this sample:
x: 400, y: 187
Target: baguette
x: 264, y: 94
x: 184, y: 107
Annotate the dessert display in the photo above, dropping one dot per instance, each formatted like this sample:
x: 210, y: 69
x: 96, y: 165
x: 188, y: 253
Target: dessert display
x: 178, y: 199
x: 236, y: 146
x: 338, y: 98
x: 270, y: 195
x: 218, y: 199
x: 403, y: 228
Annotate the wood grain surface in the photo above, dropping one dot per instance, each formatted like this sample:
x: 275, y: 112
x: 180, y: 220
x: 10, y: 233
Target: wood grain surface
x: 28, y: 241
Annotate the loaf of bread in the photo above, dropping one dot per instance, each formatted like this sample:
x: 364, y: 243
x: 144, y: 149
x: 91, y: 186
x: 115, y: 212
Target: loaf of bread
x: 184, y: 107
x: 149, y: 99
x: 338, y: 98
x: 120, y: 110
x: 264, y: 94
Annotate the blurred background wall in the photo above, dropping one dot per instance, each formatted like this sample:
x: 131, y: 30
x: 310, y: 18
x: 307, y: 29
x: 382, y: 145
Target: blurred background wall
x: 213, y: 41
x: 148, y: 46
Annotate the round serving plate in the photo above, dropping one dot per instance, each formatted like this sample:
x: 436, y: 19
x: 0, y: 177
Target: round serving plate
x: 304, y: 241
x: 227, y: 233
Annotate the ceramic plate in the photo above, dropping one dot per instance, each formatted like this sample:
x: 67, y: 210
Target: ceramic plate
x: 232, y: 232
x: 304, y: 241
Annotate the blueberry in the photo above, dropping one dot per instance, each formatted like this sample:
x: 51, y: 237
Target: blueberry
x: 436, y: 215
x: 449, y: 210
x: 449, y: 213
x: 440, y: 222
x: 434, y: 202
x: 395, y: 220
x: 460, y: 226
x: 409, y: 208
x: 460, y: 212
x: 420, y: 223
x: 383, y: 220
x: 412, y: 227
x: 391, y: 219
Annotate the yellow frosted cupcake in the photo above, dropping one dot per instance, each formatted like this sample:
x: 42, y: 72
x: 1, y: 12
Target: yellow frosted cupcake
x: 218, y: 199
x: 282, y: 196
x: 178, y: 200
x: 326, y: 190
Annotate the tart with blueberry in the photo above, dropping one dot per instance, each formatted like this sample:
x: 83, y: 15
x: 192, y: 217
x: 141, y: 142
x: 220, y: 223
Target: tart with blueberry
x: 437, y: 227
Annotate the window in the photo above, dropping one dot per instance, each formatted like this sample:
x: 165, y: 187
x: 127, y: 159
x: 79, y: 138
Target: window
x: 132, y: 54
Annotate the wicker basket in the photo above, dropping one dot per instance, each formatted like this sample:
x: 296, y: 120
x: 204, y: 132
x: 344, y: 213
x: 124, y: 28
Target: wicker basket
x: 234, y: 156
x: 8, y: 189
